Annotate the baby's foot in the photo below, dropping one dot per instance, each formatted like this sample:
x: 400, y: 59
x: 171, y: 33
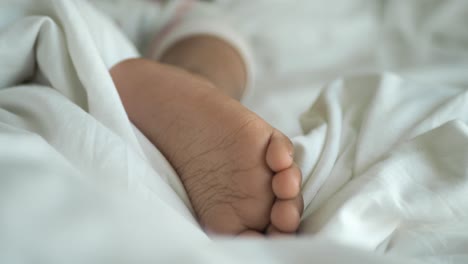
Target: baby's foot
x: 237, y: 170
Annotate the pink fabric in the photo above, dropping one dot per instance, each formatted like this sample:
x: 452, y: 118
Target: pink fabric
x: 181, y: 11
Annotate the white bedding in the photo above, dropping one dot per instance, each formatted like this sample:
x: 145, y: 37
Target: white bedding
x: 383, y: 154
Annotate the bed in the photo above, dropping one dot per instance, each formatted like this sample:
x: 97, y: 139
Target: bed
x: 373, y: 94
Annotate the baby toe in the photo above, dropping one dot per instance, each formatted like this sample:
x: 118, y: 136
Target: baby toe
x: 286, y: 184
x: 279, y: 152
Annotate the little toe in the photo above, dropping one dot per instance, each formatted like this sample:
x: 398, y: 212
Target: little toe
x: 279, y: 154
x: 286, y: 214
x: 286, y: 184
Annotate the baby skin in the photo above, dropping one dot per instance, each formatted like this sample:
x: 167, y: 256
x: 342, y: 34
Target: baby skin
x: 237, y: 169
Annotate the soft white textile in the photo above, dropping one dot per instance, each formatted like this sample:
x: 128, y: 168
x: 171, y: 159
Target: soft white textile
x: 386, y: 166
x: 384, y: 155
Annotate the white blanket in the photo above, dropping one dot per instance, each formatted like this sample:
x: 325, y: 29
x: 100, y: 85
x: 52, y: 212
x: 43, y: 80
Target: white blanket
x: 386, y: 165
x: 383, y: 155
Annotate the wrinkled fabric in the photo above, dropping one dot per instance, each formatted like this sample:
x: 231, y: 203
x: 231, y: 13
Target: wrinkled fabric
x: 383, y: 146
x: 385, y: 165
x: 383, y: 155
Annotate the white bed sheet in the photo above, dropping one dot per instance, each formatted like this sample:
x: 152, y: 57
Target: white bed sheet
x: 77, y: 186
x: 384, y: 167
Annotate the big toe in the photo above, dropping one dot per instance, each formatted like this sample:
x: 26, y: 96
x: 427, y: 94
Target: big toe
x: 286, y: 214
x: 279, y: 154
